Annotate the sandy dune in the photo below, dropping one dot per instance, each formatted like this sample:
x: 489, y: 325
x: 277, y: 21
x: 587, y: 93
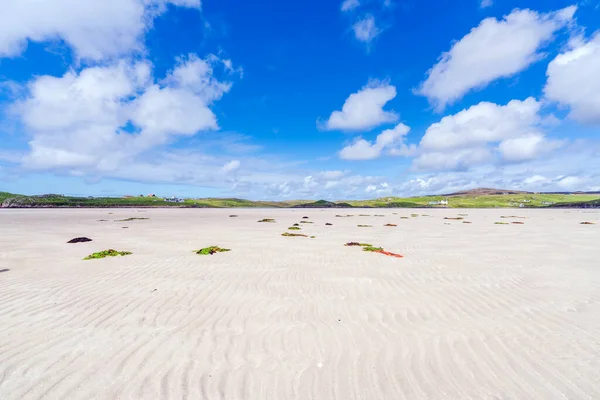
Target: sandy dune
x: 473, y: 311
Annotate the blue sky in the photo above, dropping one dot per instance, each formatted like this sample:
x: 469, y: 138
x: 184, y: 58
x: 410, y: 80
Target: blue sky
x: 275, y: 100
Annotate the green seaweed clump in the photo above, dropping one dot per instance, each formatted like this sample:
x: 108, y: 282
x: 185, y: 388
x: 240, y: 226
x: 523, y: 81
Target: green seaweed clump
x: 267, y: 220
x: 501, y: 223
x: 414, y: 215
x: 358, y: 244
x: 294, y: 228
x: 287, y: 234
x: 130, y: 219
x: 372, y: 248
x: 210, y: 250
x: 107, y: 253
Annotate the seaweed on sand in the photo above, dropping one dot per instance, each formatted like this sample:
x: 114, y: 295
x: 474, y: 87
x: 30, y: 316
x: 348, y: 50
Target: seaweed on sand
x: 130, y: 219
x: 210, y: 250
x: 364, y: 226
x: 390, y: 225
x: 454, y: 218
x: 587, y: 223
x: 374, y: 249
x: 294, y: 228
x: 328, y: 224
x: 80, y: 240
x: 107, y: 253
x: 287, y: 234
x: 306, y: 222
x: 267, y: 220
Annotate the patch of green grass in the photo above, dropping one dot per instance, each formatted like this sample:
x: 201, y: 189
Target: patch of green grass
x: 107, y: 253
x: 210, y: 250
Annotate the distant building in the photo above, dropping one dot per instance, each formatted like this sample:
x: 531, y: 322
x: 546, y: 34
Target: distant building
x: 439, y: 203
x: 151, y: 195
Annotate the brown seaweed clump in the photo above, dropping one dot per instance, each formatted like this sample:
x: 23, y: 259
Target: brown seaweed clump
x: 587, y: 223
x: 80, y: 240
x: 328, y: 224
x: 390, y: 225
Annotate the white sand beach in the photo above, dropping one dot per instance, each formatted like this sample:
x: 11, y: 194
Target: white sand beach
x: 472, y: 311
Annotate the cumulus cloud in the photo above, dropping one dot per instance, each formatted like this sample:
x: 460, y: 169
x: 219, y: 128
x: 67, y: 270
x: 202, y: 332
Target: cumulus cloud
x: 348, y: 5
x: 494, y: 49
x: 93, y: 29
x: 573, y: 80
x: 365, y: 29
x: 101, y: 118
x: 364, y: 110
x: 472, y: 136
x: 391, y: 139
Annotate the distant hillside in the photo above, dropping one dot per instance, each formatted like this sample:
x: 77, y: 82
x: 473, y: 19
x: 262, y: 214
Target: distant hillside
x: 323, y: 204
x: 475, y: 198
x: 484, y: 192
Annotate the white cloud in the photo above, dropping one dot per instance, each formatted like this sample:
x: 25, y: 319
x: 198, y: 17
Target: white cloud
x: 364, y: 150
x: 573, y: 80
x: 93, y: 29
x: 486, y: 3
x: 348, y: 5
x: 364, y: 110
x: 100, y: 119
x: 473, y: 136
x: 365, y: 29
x: 494, y: 49
x: 231, y: 166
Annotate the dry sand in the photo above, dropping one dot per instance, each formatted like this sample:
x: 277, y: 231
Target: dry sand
x: 473, y: 311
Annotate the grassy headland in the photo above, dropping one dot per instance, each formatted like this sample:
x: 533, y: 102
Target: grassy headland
x: 479, y: 198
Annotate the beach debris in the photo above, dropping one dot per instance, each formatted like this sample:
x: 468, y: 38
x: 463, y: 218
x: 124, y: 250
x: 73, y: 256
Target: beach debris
x: 403, y: 217
x: 267, y: 220
x: 306, y: 222
x: 454, y: 218
x: 374, y: 249
x: 364, y: 226
x: 312, y: 237
x: 305, y: 217
x: 328, y: 224
x: 379, y: 215
x: 501, y: 223
x: 296, y: 225
x: 518, y: 223
x: 447, y: 223
x: 294, y: 228
x: 80, y: 240
x: 587, y: 223
x: 358, y: 244
x: 107, y: 253
x: 364, y: 215
x: 102, y: 220
x: 124, y: 227
x: 130, y: 219
x: 210, y: 250
x: 390, y: 225
x: 467, y: 222
x: 287, y: 234
x: 233, y: 216
x: 463, y: 215
x: 414, y: 215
